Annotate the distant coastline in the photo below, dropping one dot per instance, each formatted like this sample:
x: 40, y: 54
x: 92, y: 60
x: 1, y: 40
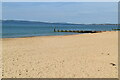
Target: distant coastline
x: 57, y: 22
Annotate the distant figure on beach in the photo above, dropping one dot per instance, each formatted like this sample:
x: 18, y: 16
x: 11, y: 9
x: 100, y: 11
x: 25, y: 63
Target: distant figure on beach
x: 54, y: 29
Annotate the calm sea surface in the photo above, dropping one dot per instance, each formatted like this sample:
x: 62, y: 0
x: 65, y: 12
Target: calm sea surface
x: 13, y: 29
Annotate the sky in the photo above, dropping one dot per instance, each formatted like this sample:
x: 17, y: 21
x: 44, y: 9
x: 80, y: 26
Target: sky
x: 60, y: 0
x: 70, y: 12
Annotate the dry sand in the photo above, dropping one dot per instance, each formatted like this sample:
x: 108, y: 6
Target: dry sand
x: 0, y: 59
x: 73, y: 56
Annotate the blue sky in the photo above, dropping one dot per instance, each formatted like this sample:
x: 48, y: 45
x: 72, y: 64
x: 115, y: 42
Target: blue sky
x: 73, y: 12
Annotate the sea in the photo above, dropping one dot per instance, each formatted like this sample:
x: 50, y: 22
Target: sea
x: 19, y: 28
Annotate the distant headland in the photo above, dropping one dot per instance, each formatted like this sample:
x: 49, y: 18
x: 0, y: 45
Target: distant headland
x: 26, y: 21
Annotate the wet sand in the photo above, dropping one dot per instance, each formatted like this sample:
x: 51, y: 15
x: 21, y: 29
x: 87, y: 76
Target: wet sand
x: 72, y: 56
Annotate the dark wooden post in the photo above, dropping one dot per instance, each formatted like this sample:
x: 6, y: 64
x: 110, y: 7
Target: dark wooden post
x: 54, y: 29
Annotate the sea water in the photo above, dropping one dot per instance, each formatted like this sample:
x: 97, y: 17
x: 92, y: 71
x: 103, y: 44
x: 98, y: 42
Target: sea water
x: 14, y: 29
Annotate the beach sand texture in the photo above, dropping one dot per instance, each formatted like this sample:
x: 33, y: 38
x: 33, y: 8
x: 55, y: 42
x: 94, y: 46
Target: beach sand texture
x: 0, y: 58
x: 72, y: 56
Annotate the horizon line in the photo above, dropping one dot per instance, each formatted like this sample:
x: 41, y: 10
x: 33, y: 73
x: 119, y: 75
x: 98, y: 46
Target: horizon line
x: 54, y: 22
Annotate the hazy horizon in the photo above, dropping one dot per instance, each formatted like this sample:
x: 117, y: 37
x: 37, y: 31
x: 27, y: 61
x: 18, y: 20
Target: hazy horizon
x: 52, y: 22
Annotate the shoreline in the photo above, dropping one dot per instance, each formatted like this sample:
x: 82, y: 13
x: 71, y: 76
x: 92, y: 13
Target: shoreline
x: 58, y: 35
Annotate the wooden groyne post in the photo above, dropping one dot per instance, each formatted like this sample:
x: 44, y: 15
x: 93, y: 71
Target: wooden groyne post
x: 76, y: 31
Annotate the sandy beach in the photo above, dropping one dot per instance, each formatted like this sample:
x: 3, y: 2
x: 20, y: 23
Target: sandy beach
x: 0, y: 58
x: 72, y: 56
